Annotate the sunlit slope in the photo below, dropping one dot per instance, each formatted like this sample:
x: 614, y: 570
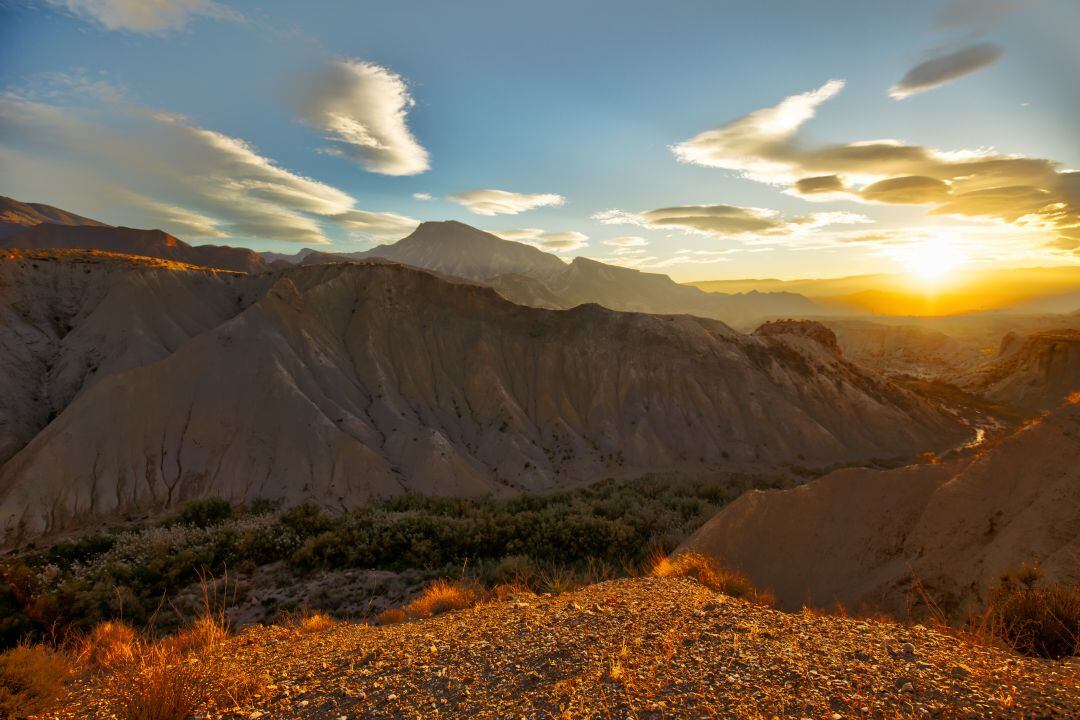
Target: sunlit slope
x: 1054, y: 289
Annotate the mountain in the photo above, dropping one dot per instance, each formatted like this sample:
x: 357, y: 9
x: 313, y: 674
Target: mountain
x: 453, y: 248
x: 341, y: 383
x: 150, y: 243
x: 528, y: 276
x: 860, y: 536
x: 16, y: 216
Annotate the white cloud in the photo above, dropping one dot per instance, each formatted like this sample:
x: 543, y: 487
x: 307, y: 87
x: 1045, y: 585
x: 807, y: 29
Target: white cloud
x: 145, y: 16
x: 421, y: 196
x: 362, y: 108
x: 502, y: 202
x: 161, y: 169
x: 763, y: 146
x: 559, y: 242
x: 627, y: 241
x: 944, y: 69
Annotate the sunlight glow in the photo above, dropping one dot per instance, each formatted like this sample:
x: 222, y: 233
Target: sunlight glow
x: 932, y: 261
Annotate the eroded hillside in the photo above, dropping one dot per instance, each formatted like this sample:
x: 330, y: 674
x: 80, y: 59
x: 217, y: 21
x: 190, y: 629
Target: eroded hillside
x: 347, y: 382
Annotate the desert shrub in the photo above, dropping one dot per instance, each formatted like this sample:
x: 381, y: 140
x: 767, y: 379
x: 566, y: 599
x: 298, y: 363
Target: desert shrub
x: 31, y: 680
x: 204, y: 513
x: 710, y: 573
x: 160, y: 685
x: 443, y: 596
x: 557, y: 540
x: 1041, y: 620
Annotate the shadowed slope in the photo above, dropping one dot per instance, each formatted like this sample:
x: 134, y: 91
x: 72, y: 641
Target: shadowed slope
x: 860, y: 535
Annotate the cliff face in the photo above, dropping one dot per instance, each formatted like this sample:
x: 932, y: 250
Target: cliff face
x: 344, y: 382
x: 859, y: 536
x: 1033, y: 372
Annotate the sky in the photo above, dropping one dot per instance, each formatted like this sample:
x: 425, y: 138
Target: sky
x: 700, y: 138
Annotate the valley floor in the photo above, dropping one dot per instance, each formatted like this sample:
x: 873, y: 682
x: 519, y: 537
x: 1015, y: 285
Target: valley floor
x: 638, y: 648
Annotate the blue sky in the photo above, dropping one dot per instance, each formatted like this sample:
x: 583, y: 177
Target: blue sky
x: 583, y: 100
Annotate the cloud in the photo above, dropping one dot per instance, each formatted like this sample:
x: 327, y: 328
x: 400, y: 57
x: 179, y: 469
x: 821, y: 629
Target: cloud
x: 627, y: 241
x: 421, y: 196
x: 380, y: 226
x: 362, y: 109
x: 502, y: 202
x: 944, y: 69
x: 747, y: 143
x: 145, y: 16
x: 161, y: 169
x: 983, y: 184
x: 907, y: 190
x: 726, y: 220
x: 559, y: 242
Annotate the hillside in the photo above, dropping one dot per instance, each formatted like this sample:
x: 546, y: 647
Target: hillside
x: 16, y: 216
x: 859, y: 536
x: 648, y: 648
x: 1033, y: 372
x: 131, y: 241
x: 348, y: 382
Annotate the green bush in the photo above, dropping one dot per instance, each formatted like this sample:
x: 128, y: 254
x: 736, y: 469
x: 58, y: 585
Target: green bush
x: 204, y: 513
x: 550, y: 540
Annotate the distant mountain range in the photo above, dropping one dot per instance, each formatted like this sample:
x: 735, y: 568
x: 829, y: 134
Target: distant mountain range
x: 520, y: 272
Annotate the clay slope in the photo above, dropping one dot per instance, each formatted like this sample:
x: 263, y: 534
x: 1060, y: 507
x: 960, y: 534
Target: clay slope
x: 70, y: 318
x: 16, y: 216
x: 131, y: 241
x: 1036, y: 372
x: 350, y: 381
x: 859, y: 535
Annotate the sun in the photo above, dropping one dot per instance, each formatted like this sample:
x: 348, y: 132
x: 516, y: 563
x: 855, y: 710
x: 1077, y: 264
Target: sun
x: 932, y: 261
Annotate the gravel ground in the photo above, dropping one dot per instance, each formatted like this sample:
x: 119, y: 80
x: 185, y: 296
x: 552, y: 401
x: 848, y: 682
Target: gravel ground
x: 641, y: 648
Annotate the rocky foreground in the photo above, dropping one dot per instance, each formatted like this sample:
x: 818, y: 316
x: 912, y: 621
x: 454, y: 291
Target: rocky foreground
x: 642, y: 648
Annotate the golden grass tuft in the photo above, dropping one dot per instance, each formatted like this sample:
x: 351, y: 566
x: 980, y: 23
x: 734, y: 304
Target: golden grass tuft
x: 443, y: 596
x: 109, y: 645
x: 31, y: 680
x: 307, y: 621
x: 711, y: 574
x: 390, y: 616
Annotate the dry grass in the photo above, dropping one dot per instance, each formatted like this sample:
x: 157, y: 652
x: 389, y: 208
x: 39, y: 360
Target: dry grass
x: 443, y: 596
x: 108, y: 646
x: 31, y: 679
x: 1036, y: 620
x: 391, y: 616
x: 305, y: 620
x: 711, y: 574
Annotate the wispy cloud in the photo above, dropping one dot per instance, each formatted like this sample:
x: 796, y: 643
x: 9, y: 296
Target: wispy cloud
x: 727, y: 220
x: 984, y: 184
x: 161, y: 168
x: 145, y: 16
x: 503, y: 202
x: 421, y: 196
x: 559, y: 242
x: 362, y: 108
x: 944, y: 69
